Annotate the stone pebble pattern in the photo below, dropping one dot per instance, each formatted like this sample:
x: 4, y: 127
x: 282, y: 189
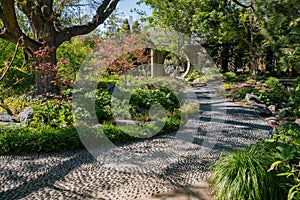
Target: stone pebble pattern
x: 140, y: 169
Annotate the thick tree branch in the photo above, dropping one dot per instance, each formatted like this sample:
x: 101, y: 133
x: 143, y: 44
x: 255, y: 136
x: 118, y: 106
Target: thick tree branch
x: 6, y: 108
x: 102, y: 13
x: 244, y: 6
x: 11, y: 30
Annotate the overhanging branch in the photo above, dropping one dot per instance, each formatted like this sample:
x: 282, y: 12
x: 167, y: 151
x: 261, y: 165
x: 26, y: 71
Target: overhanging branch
x: 242, y: 5
x: 102, y: 13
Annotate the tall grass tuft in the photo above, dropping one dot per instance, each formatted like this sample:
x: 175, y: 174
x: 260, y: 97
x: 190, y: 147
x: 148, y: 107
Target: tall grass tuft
x: 244, y: 175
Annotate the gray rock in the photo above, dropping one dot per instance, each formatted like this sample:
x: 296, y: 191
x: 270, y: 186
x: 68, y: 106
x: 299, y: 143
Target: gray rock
x: 297, y: 121
x: 257, y: 105
x: 26, y: 116
x: 112, y: 88
x: 262, y: 111
x: 4, y: 117
x: 272, y: 108
x: 284, y: 113
x: 251, y: 98
x: 119, y: 122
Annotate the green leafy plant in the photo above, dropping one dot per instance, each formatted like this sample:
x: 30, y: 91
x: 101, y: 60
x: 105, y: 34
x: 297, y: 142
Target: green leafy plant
x: 55, y: 113
x: 243, y: 175
x: 240, y: 93
x: 142, y: 99
x: 286, y: 145
x: 229, y: 76
x: 275, y: 93
x: 295, y: 97
x: 194, y: 75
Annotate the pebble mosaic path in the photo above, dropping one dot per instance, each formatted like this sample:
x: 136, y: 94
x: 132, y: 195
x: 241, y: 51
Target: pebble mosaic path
x: 137, y: 170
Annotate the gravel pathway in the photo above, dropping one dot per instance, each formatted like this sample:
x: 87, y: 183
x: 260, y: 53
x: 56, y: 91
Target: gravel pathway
x: 140, y: 169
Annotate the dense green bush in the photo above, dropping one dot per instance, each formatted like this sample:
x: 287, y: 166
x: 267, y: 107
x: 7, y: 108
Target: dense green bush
x: 103, y: 106
x: 240, y: 93
x: 74, y: 53
x: 43, y: 139
x: 274, y: 94
x: 229, y: 76
x: 243, y: 175
x: 53, y: 112
x: 286, y: 146
x: 194, y: 75
x: 295, y: 97
x: 142, y: 99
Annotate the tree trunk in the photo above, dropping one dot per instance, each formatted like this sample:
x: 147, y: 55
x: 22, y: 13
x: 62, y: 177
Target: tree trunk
x: 270, y: 61
x: 45, y: 57
x: 225, y: 58
x: 46, y: 71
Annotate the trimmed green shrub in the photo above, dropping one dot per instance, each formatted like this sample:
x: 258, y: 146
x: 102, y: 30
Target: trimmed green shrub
x: 243, y: 175
x: 20, y: 140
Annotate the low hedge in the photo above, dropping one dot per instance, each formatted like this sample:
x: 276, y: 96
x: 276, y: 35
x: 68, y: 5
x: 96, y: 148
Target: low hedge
x: 21, y: 140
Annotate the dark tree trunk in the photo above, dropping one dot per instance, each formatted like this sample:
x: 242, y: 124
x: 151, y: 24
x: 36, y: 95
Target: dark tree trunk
x: 46, y: 72
x: 225, y: 58
x: 270, y: 61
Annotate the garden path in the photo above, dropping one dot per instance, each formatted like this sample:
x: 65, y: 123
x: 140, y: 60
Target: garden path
x: 171, y: 166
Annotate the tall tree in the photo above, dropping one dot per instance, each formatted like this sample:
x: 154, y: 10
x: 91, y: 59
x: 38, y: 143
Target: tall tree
x: 50, y: 27
x: 212, y: 22
x: 281, y: 29
x: 126, y: 26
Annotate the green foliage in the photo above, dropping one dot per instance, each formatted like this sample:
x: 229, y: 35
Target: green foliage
x: 243, y: 175
x: 19, y: 78
x: 55, y: 113
x: 103, y: 106
x: 286, y: 146
x: 142, y: 99
x: 31, y: 140
x: 295, y: 97
x: 229, y: 76
x: 52, y: 112
x: 74, y: 53
x: 280, y: 29
x: 171, y: 124
x: 115, y: 134
x: 211, y: 74
x: 276, y: 93
x: 240, y: 93
x: 194, y: 75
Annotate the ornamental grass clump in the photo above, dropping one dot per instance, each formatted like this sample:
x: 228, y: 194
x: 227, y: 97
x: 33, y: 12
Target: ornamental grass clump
x: 244, y: 175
